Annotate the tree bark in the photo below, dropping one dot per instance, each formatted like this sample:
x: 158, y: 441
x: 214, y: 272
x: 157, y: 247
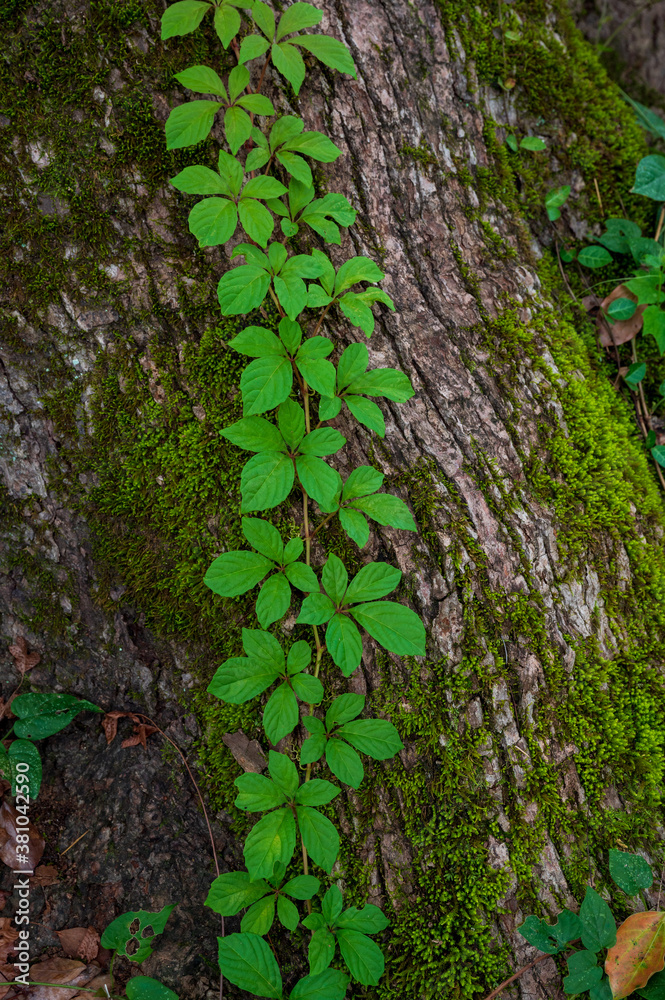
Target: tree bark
x: 533, y: 728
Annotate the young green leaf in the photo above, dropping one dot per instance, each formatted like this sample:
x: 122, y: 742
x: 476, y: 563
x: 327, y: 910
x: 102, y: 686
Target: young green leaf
x: 242, y: 289
x: 200, y: 180
x: 355, y: 525
x: 344, y: 643
x: 227, y: 24
x: 183, y: 17
x: 329, y: 51
x: 280, y: 716
x: 259, y: 917
x: 344, y: 708
x: 319, y: 836
x: 241, y: 678
x: 654, y: 325
x: 289, y: 62
x: 533, y: 143
x: 335, y: 578
x: 594, y: 256
x: 233, y: 891
x: 621, y: 309
x: 296, y: 17
x: 554, y: 200
x: 237, y: 127
x: 213, y: 221
x: 266, y: 481
x: 354, y: 270
x: 273, y: 601
x: 378, y: 738
x: 256, y: 220
x: 266, y: 382
x: 202, y: 80
x: 251, y: 47
x: 247, y: 961
x: 258, y: 793
x: 190, y: 123
x: 362, y: 481
x: 376, y: 579
x: 386, y: 509
x: 366, y: 413
x: 272, y: 839
x: 395, y: 627
x: 235, y: 573
x: 386, y: 382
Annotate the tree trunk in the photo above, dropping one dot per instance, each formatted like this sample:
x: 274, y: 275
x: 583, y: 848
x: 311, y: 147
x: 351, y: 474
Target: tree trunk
x: 534, y: 728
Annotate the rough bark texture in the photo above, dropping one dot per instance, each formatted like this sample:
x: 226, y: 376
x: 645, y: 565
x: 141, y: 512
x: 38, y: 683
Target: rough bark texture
x: 635, y: 35
x: 534, y: 728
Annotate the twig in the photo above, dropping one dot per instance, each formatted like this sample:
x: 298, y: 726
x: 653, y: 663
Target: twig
x: 74, y: 842
x: 661, y: 220
x: 516, y: 975
x: 600, y: 200
x: 563, y: 273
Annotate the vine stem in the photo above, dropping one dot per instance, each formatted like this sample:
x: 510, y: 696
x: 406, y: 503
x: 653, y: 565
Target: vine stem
x: 516, y: 975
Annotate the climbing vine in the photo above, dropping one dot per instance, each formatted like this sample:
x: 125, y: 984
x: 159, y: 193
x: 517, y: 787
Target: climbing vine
x: 291, y: 390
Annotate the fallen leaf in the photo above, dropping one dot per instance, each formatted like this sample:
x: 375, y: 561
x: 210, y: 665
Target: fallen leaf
x: 60, y: 970
x: 638, y: 953
x: 80, y: 942
x: 8, y: 934
x: 247, y: 752
x: 23, y: 660
x: 141, y: 733
x: 98, y: 983
x: 624, y: 330
x: 110, y: 725
x: 590, y: 302
x: 8, y: 831
x: 5, y: 984
x: 45, y: 875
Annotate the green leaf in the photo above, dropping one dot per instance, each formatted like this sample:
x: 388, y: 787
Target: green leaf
x: 25, y: 752
x: 584, y: 973
x: 567, y: 928
x: 272, y: 839
x: 603, y: 991
x: 316, y: 609
x: 321, y: 950
x: 285, y: 129
x: 329, y: 408
x: 649, y: 120
x: 332, y: 904
x: 316, y: 792
x: 300, y: 656
x: 183, y: 17
x: 386, y: 382
x: 247, y: 961
x: 231, y: 170
x: 145, y: 988
x: 292, y: 294
x: 200, y: 180
x: 324, y: 441
x: 650, y: 177
x: 254, y: 434
x: 344, y: 644
x: 264, y: 18
x: 42, y: 715
x: 366, y: 413
x: 397, y: 628
x: 290, y: 333
x: 289, y: 62
x: 621, y: 309
x: 647, y: 288
x: 533, y: 143
x: 318, y: 373
x: 555, y: 199
x: 240, y: 679
x: 312, y: 749
x: 344, y: 763
x: 387, y: 509
x: 654, y: 325
x: 303, y: 577
x: 287, y: 913
x: 334, y: 577
x: 231, y: 892
x: 329, y: 51
x: 237, y: 127
x: 319, y: 480
x: 256, y: 158
x: 263, y: 187
x: 265, y: 383
x: 344, y: 708
x: 283, y: 772
x: 296, y: 166
x: 242, y: 289
x: 266, y: 481
x: 236, y: 572
x: 362, y: 481
x: 329, y: 985
x: 319, y: 836
x: 354, y: 270
x: 263, y: 537
x: 598, y: 926
x: 355, y: 525
x: 511, y: 142
x: 308, y: 689
x: 273, y: 601
x: 316, y: 145
x: 630, y: 871
x: 251, y: 47
x: 291, y: 422
x: 264, y: 648
x: 376, y: 579
x: 118, y: 935
x: 539, y: 934
x: 362, y: 956
x: 358, y: 312
x: 190, y: 123
x: 280, y: 716
x: 257, y: 104
x: 259, y: 917
x: 213, y: 221
x: 369, y: 920
x: 258, y: 793
x: 377, y: 738
x: 256, y: 220
x: 296, y: 17
x: 635, y: 374
x: 594, y: 256
x: 654, y: 989
x: 202, y: 80
x: 302, y: 887
x: 227, y: 24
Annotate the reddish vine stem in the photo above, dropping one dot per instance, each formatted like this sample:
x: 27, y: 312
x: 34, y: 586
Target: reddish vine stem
x: 516, y: 975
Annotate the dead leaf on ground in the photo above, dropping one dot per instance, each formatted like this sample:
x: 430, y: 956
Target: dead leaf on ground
x: 141, y: 732
x: 8, y: 845
x: 638, y: 953
x: 8, y: 935
x: 80, y: 942
x: 590, y: 302
x: 45, y: 875
x: 23, y: 660
x: 5, y: 983
x: 98, y: 983
x: 110, y: 725
x: 247, y: 752
x: 624, y: 330
x: 60, y: 970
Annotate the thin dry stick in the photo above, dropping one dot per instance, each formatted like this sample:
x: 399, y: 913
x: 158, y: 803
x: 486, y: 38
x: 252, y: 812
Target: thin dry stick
x: 563, y: 273
x: 516, y: 975
x: 73, y: 843
x: 600, y: 200
x: 661, y: 220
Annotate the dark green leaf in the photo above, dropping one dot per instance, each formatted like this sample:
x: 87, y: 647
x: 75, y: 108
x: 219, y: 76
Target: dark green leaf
x: 283, y: 772
x: 259, y: 917
x: 344, y: 763
x: 603, y: 991
x: 316, y: 792
x: 319, y: 836
x: 583, y: 971
x: 362, y: 956
x: 247, y: 961
x: 117, y: 935
x: 369, y: 920
x: 334, y: 578
x: 272, y: 839
x: 266, y: 480
x: 594, y: 256
x: 654, y: 989
x: 316, y: 610
x: 635, y: 374
x: 240, y: 679
x: 235, y: 573
x: 231, y: 892
x: 293, y: 550
x: 287, y: 913
x: 598, y: 925
x: 41, y: 715
x: 312, y: 749
x: 320, y: 481
x: 650, y: 177
x: 344, y: 708
x: 300, y: 656
x: 183, y: 17
x: 25, y: 752
x: 273, y: 601
x: 654, y: 325
x: 321, y: 950
x: 376, y: 579
x: 344, y: 643
x: 329, y: 985
x: 280, y: 716
x: 567, y: 928
x: 332, y: 904
x: 258, y: 793
x: 539, y: 934
x: 630, y: 871
x: 621, y: 309
x: 302, y: 887
x: 263, y: 537
x: 308, y: 688
x: 303, y: 577
x: 145, y: 988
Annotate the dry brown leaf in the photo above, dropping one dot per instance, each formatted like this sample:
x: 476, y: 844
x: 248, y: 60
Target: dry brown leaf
x: 23, y: 660
x: 5, y: 984
x: 98, y: 983
x: 110, y: 725
x: 8, y: 935
x: 141, y: 733
x: 623, y: 331
x: 638, y: 953
x: 80, y: 942
x: 60, y: 970
x: 247, y: 752
x: 8, y: 845
x: 590, y: 302
x: 45, y: 875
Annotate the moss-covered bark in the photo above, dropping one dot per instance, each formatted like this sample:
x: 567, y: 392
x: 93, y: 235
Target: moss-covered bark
x: 535, y: 728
